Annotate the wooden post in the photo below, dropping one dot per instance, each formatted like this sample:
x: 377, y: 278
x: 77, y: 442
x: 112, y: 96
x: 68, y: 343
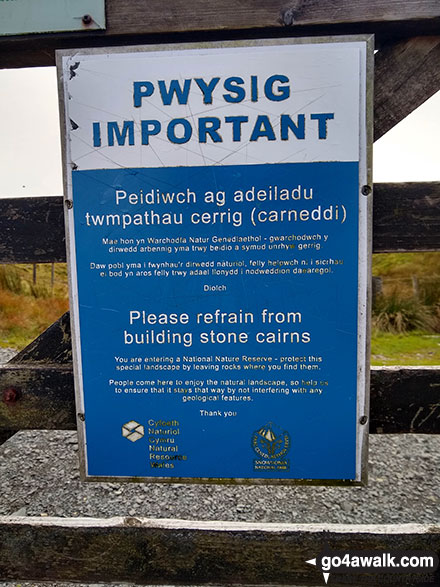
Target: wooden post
x: 415, y: 286
x: 377, y: 288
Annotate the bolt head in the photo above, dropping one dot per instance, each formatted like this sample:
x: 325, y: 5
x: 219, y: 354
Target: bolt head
x: 10, y: 395
x: 366, y: 190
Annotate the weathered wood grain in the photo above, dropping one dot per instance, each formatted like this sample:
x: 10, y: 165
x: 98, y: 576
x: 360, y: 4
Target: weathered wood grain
x: 176, y: 16
x: 6, y: 435
x: 37, y: 397
x: 159, y: 552
x: 405, y: 218
x: 32, y: 230
x: 407, y: 73
x: 137, y: 22
x: 403, y: 399
x: 52, y: 346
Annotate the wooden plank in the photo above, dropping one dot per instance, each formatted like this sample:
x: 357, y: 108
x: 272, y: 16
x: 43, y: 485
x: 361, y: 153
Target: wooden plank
x: 37, y: 397
x: 156, y: 21
x: 50, y: 387
x: 137, y: 22
x: 407, y: 73
x: 406, y: 217
x: 32, y: 229
x: 6, y: 435
x: 403, y: 399
x: 159, y: 552
x: 52, y: 346
x: 248, y: 14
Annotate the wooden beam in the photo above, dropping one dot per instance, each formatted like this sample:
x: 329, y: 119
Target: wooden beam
x: 52, y: 346
x: 32, y: 230
x: 405, y: 218
x: 6, y: 435
x: 403, y: 399
x: 407, y: 73
x: 176, y: 552
x: 140, y: 22
x: 248, y: 14
x: 37, y: 397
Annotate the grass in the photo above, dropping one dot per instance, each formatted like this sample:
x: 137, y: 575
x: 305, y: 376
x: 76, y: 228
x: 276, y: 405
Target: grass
x: 19, y: 279
x: 406, y: 328
x: 28, y: 308
x: 398, y: 314
x: 404, y: 265
x: 415, y: 348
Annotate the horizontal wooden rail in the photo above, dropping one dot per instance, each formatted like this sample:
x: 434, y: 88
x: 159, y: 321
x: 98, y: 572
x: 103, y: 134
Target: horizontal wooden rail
x: 405, y: 218
x: 403, y: 399
x: 137, y: 21
x: 37, y: 397
x: 163, y: 552
x: 32, y: 230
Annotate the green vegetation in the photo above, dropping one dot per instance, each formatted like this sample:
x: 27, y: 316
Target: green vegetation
x: 406, y: 316
x: 404, y: 265
x: 397, y: 314
x: 27, y: 308
x: 416, y: 348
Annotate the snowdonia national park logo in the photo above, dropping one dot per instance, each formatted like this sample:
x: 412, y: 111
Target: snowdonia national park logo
x: 271, y: 444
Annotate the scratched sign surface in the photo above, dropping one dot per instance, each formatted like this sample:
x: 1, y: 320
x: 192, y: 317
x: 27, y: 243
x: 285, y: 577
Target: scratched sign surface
x: 218, y: 253
x: 18, y: 17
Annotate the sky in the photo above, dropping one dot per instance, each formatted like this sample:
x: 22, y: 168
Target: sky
x: 30, y: 144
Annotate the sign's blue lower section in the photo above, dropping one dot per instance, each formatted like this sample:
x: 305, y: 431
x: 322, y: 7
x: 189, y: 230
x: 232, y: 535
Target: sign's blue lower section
x: 218, y: 312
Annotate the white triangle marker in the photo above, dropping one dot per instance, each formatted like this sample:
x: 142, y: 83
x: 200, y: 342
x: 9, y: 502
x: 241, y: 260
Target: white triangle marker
x: 312, y: 561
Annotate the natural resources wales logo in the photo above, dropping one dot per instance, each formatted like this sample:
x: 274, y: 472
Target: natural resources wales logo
x: 133, y: 431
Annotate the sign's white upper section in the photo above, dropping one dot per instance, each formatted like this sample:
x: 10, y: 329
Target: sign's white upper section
x: 215, y: 106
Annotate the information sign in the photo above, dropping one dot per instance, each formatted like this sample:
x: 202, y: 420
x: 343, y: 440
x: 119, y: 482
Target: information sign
x: 218, y: 209
x: 19, y: 17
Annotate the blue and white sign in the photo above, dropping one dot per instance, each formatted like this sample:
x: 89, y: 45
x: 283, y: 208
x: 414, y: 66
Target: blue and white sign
x: 219, y: 253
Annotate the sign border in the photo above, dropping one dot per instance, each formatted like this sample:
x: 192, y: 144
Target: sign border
x: 364, y: 254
